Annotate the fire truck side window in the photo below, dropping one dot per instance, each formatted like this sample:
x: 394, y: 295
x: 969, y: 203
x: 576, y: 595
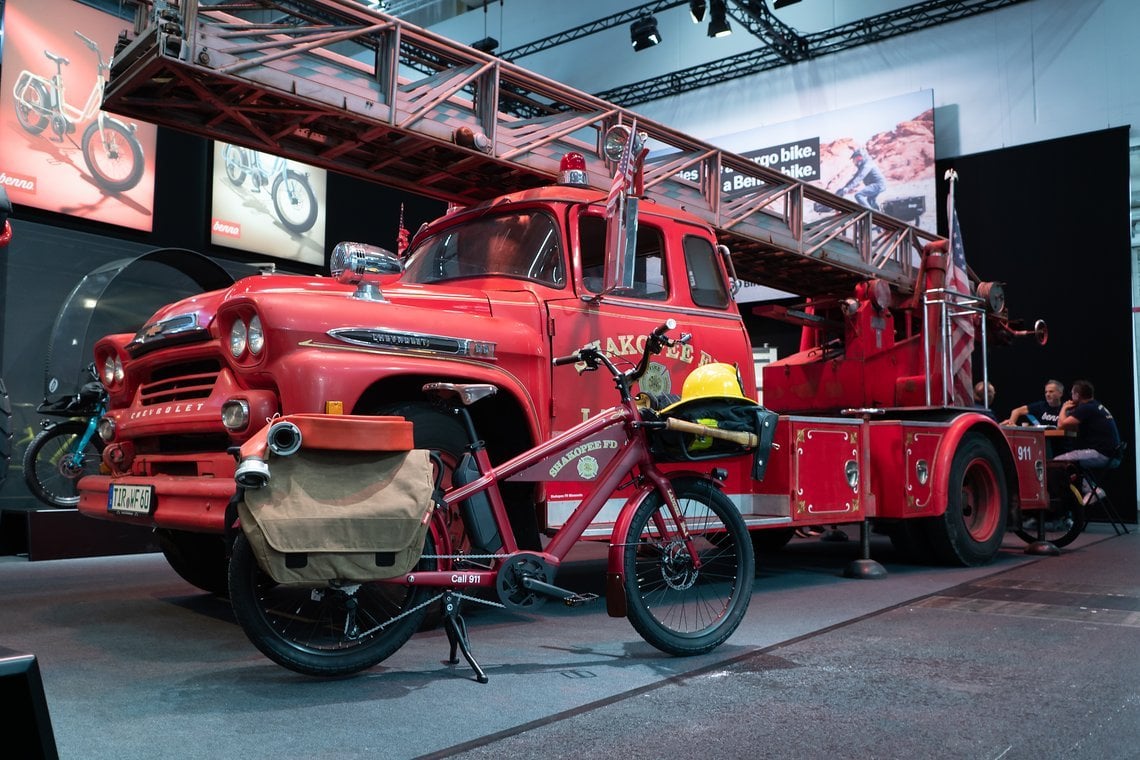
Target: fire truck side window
x: 524, y: 244
x: 705, y: 282
x: 650, y: 278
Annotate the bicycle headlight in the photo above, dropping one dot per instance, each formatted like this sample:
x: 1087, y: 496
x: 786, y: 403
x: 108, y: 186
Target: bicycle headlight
x: 256, y: 335
x: 239, y: 337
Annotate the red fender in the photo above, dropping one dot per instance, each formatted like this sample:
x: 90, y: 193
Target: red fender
x: 948, y: 446
x: 615, y: 572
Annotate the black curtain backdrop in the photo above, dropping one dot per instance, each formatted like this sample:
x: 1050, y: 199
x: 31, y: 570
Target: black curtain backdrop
x: 1051, y: 220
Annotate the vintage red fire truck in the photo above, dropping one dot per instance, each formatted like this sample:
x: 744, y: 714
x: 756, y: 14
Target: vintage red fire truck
x: 533, y: 263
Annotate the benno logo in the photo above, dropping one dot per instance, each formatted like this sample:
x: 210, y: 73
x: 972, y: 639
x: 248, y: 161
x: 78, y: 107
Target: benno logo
x: 18, y: 181
x: 229, y: 229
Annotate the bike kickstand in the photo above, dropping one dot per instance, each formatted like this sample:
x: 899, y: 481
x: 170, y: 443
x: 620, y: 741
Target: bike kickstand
x: 456, y: 629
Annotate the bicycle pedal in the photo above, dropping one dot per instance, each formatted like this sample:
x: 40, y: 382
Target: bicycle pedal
x: 577, y: 600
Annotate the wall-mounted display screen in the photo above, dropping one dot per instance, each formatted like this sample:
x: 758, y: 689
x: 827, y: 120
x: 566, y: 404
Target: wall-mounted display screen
x: 266, y: 204
x: 58, y: 151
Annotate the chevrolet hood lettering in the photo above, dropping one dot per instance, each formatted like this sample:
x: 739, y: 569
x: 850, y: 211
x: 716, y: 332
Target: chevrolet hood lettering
x: 415, y: 342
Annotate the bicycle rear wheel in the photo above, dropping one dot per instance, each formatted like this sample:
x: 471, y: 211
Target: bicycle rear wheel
x: 51, y: 469
x: 324, y: 630
x: 677, y: 605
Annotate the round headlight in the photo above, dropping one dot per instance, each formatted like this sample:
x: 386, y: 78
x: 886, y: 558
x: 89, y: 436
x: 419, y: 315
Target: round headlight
x: 107, y: 374
x: 256, y: 336
x: 106, y: 429
x: 118, y: 370
x: 235, y: 414
x: 238, y: 337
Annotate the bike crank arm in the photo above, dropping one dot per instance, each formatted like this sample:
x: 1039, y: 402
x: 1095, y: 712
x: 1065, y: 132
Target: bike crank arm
x: 569, y: 598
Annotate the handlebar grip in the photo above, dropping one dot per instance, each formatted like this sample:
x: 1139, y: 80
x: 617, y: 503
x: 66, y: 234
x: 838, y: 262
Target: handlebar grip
x: 573, y: 358
x: 742, y: 437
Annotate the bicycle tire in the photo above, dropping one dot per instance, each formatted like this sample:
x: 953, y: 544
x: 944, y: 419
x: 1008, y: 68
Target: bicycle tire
x: 1063, y: 522
x: 302, y: 628
x: 46, y: 476
x: 298, y: 213
x: 234, y: 159
x: 114, y: 157
x: 678, y: 609
x: 33, y: 118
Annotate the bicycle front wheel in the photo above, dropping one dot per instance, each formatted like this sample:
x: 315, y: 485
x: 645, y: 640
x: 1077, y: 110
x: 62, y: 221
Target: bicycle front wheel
x: 294, y: 202
x: 54, y: 463
x: 680, y: 603
x: 324, y: 630
x: 113, y: 155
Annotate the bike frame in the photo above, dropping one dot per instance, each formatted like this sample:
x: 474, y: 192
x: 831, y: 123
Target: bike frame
x: 88, y: 434
x: 250, y: 161
x: 632, y: 458
x: 56, y: 90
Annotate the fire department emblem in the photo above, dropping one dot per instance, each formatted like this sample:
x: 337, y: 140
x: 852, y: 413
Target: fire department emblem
x: 655, y: 381
x: 587, y: 468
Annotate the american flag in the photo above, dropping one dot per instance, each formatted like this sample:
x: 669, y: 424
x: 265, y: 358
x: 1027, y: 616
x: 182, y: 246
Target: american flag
x: 961, y: 328
x: 623, y: 178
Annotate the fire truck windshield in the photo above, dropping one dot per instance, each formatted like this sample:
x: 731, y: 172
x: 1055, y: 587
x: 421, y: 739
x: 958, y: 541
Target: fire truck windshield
x: 523, y: 244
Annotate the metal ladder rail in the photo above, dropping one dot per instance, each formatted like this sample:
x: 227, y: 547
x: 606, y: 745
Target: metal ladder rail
x: 335, y: 84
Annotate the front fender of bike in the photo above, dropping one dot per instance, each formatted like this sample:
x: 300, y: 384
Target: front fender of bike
x: 615, y: 569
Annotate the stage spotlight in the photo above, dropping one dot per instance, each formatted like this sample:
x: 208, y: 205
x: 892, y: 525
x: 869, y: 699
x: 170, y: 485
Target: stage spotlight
x: 697, y: 10
x: 485, y: 45
x: 643, y: 33
x: 718, y: 21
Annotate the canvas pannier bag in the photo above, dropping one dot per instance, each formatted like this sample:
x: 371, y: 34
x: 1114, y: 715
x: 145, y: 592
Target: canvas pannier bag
x: 334, y: 514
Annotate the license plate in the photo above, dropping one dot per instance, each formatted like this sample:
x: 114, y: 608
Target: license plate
x: 130, y: 500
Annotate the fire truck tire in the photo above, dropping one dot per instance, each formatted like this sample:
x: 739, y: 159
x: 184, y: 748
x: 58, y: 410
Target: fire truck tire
x: 198, y: 558
x: 678, y: 608
x: 971, y: 530
x: 771, y: 540
x: 910, y: 538
x: 5, y: 432
x: 442, y: 433
x: 325, y: 630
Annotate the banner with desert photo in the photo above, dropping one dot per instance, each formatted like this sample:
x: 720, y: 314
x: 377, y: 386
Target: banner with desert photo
x: 58, y: 150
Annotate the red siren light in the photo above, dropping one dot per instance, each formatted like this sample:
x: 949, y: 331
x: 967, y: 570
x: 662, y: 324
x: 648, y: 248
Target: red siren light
x: 572, y: 170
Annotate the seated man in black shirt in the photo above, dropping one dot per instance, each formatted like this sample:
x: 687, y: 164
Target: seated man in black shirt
x: 1097, y: 441
x: 1046, y: 411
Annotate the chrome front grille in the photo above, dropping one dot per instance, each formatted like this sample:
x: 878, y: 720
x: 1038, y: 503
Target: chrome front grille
x: 180, y: 382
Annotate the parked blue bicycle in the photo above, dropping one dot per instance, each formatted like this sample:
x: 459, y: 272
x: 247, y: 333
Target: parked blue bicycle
x: 66, y: 450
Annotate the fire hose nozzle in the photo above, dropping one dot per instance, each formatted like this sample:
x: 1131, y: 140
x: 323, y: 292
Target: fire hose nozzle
x: 284, y: 439
x: 252, y: 473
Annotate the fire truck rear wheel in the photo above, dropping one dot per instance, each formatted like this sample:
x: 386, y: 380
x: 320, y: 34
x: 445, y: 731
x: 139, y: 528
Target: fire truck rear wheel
x: 770, y: 540
x: 198, y: 558
x: 971, y: 530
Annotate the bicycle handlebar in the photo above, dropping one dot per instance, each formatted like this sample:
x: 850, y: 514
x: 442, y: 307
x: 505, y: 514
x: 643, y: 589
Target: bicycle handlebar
x: 655, y: 342
x: 87, y: 41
